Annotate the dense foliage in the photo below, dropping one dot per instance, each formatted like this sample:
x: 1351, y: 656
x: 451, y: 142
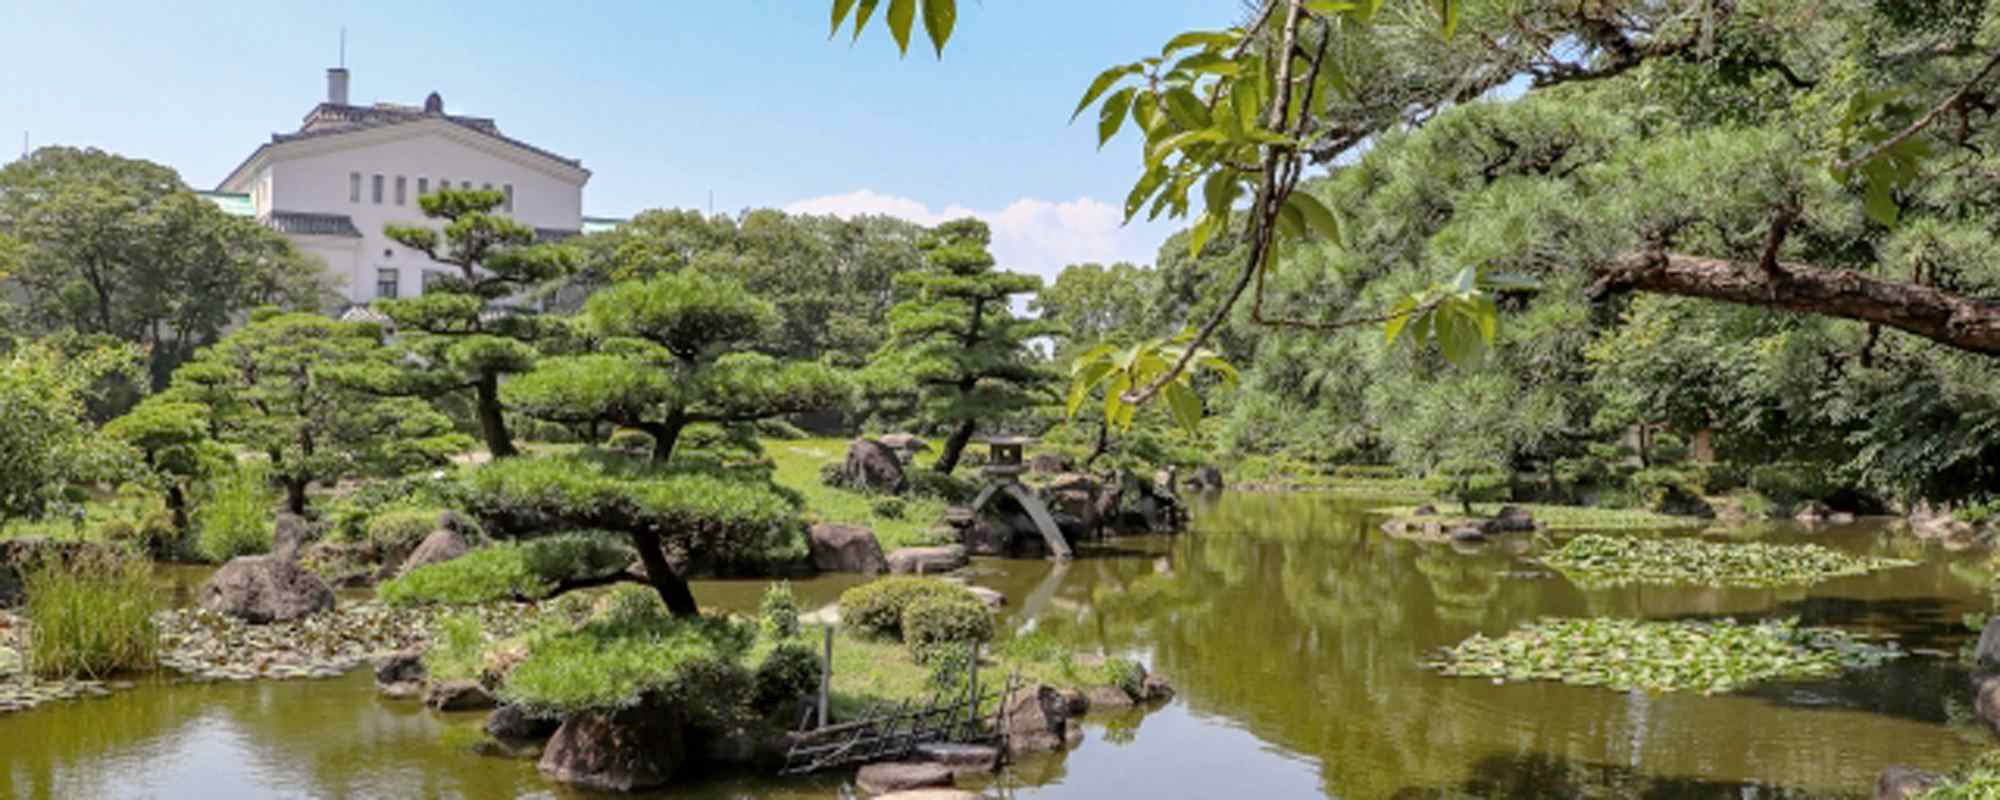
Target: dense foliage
x: 957, y: 354
x: 876, y: 608
x: 92, y: 615
x: 48, y: 449
x: 119, y: 247
x: 469, y: 328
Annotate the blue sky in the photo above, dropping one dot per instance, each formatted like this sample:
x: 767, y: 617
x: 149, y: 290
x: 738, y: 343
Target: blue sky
x: 664, y: 101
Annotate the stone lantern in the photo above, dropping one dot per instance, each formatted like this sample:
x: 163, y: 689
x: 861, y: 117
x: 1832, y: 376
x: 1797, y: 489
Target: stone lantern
x: 1003, y: 474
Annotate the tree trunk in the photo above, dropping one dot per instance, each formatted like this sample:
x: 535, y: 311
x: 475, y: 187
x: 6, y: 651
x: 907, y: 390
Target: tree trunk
x: 1103, y: 444
x: 672, y: 587
x: 295, y: 495
x: 1967, y: 323
x: 954, y: 447
x: 177, y: 504
x: 664, y: 438
x: 492, y: 425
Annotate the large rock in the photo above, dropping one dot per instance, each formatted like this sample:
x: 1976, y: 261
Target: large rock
x: 1903, y: 783
x: 289, y: 537
x: 1048, y: 463
x: 1986, y: 700
x: 1155, y: 689
x: 989, y: 537
x: 927, y: 560
x: 1206, y: 478
x: 1107, y: 698
x: 872, y: 466
x: 1038, y: 720
x: 262, y: 589
x: 511, y: 723
x: 906, y: 446
x: 403, y: 667
x: 443, y: 544
x: 1987, y: 653
x: 963, y: 759
x: 626, y: 750
x: 897, y: 776
x: 991, y: 598
x: 1513, y: 519
x: 845, y: 548
x: 459, y: 695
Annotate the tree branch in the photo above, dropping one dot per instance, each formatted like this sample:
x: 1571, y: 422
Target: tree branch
x: 1954, y: 320
x: 1924, y: 121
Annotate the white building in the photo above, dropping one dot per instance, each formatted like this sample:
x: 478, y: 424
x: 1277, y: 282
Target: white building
x: 349, y: 170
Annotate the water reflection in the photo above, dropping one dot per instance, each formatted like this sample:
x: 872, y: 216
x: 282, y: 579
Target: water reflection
x: 1295, y: 633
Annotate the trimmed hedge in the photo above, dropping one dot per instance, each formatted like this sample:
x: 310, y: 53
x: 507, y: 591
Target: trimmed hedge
x: 401, y: 530
x: 510, y: 569
x: 876, y: 608
x: 710, y: 514
x: 934, y: 621
x: 790, y: 672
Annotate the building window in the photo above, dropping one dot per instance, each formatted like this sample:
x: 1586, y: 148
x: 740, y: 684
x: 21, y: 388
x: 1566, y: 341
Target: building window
x: 444, y: 184
x: 377, y: 194
x: 401, y: 185
x: 423, y: 186
x: 354, y: 187
x: 508, y: 203
x: 385, y: 282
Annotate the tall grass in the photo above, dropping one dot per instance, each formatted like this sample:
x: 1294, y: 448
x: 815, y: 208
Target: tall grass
x: 91, y: 615
x: 234, y: 515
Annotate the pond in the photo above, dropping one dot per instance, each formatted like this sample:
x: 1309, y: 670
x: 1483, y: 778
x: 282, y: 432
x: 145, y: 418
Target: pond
x: 1294, y: 632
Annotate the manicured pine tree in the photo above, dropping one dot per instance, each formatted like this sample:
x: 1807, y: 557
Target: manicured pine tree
x: 462, y: 336
x: 672, y: 355
x: 295, y: 388
x: 956, y: 344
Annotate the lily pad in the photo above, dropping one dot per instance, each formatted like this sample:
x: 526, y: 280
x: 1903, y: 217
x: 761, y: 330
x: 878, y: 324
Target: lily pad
x: 1624, y: 654
x: 1596, y: 561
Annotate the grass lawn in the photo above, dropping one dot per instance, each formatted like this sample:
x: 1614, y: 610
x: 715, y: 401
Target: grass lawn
x: 871, y: 672
x: 798, y: 464
x: 1566, y: 518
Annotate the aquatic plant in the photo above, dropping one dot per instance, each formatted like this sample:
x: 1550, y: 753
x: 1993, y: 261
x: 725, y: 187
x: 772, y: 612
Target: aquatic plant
x: 1594, y: 561
x: 1679, y: 656
x: 457, y: 645
x: 233, y: 514
x: 91, y: 615
x: 1979, y: 780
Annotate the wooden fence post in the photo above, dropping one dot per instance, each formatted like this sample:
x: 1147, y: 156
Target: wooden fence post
x: 826, y: 677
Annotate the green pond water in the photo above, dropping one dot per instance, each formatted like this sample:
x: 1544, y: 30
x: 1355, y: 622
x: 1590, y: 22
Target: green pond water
x: 1294, y: 632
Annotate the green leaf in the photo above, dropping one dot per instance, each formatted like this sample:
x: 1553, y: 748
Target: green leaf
x: 1158, y: 153
x: 1244, y: 101
x: 1187, y: 111
x: 1185, y: 405
x: 1146, y: 112
x: 1448, y: 10
x: 1221, y: 367
x: 840, y: 9
x: 901, y: 14
x: 1112, y: 115
x: 1399, y: 316
x: 862, y: 15
x: 939, y: 18
x: 1204, y: 229
x: 1098, y: 86
x: 1220, y: 190
x: 1114, y: 397
x: 1466, y: 280
x: 1209, y: 63
x: 1291, y: 222
x: 1332, y: 6
x: 1144, y: 189
x: 1199, y: 38
x: 1316, y: 215
x: 1878, y: 199
x: 1486, y: 315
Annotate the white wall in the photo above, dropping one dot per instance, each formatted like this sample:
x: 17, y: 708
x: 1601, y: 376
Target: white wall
x: 319, y: 183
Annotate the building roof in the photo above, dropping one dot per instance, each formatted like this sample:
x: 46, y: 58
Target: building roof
x: 300, y: 223
x: 328, y: 120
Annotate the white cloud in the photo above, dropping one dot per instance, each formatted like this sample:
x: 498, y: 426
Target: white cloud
x: 1030, y: 235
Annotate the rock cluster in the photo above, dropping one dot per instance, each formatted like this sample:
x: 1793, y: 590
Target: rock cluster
x: 845, y: 548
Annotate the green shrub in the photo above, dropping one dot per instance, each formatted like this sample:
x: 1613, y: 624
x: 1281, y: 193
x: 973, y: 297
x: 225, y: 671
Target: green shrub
x: 628, y: 604
x: 1790, y: 483
x: 629, y: 440
x: 401, y: 530
x: 140, y: 519
x: 507, y: 570
x: 937, y: 485
x: 933, y: 621
x: 1367, y: 472
x: 348, y: 515
x: 1664, y: 488
x: 780, y: 611
x: 834, y: 474
x: 457, y: 646
x: 1468, y: 481
x: 876, y: 608
x: 612, y: 663
x: 91, y: 615
x: 1126, y: 674
x: 887, y: 507
x: 234, y: 515
x: 790, y: 672
x: 779, y: 429
x: 1720, y: 477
